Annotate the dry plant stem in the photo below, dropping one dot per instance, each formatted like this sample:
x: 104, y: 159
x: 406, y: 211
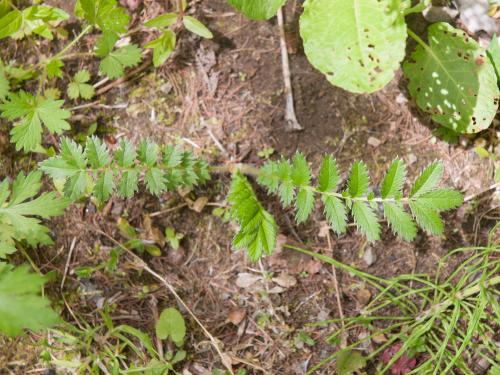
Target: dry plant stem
x: 291, y: 120
x: 343, y: 336
x: 473, y: 196
x: 224, y: 357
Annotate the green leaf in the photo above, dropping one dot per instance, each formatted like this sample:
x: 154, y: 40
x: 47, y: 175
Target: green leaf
x: 155, y: 181
x: 336, y: 214
x: 115, y: 62
x: 162, y: 47
x: 79, y: 86
x: 494, y: 54
x: 162, y: 21
x: 195, y: 26
x: 104, y: 186
x: 97, y: 153
x: 105, y: 14
x: 349, y: 362
x: 441, y: 199
x: 258, y: 9
x: 128, y: 184
x: 358, y: 44
x: 21, y: 306
x: 76, y: 186
x: 148, y: 152
x: 427, y: 180
x: 300, y: 174
x: 258, y: 230
x: 10, y: 23
x: 171, y: 324
x: 452, y: 79
x: 366, y: 220
x: 4, y: 85
x: 401, y: 223
x: 17, y: 215
x: 393, y: 182
x: 358, y: 180
x: 126, y: 154
x: 53, y: 68
x: 328, y: 177
x: 304, y: 204
x: 32, y: 112
x: 427, y: 218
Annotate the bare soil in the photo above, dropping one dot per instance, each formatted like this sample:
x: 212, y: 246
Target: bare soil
x: 224, y: 100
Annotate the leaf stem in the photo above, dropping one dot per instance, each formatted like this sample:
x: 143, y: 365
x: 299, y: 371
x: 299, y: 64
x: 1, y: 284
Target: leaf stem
x: 416, y: 38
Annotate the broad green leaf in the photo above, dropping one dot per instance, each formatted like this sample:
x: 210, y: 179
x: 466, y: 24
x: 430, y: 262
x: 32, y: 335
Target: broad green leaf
x: 427, y: 180
x: 427, y: 218
x: 258, y: 9
x: 21, y: 306
x: 304, y: 204
x: 171, y: 324
x: 162, y: 47
x: 162, y: 21
x: 115, y: 62
x: 336, y: 214
x: 366, y: 220
x: 394, y: 179
x: 10, y: 23
x: 494, y: 55
x: 4, y: 7
x: 106, y: 14
x: 357, y: 44
x: 401, y: 223
x: 328, y: 177
x: 349, y: 362
x: 32, y: 112
x: 79, y: 86
x: 195, y: 26
x: 452, y: 79
x: 358, y: 180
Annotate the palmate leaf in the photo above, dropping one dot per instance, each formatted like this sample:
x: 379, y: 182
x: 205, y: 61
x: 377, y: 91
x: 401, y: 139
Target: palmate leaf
x: 79, y: 86
x: 32, y: 112
x: 452, y: 79
x: 18, y: 214
x: 21, y: 306
x: 115, y: 62
x: 258, y: 9
x: 258, y: 230
x: 106, y: 14
x: 357, y: 44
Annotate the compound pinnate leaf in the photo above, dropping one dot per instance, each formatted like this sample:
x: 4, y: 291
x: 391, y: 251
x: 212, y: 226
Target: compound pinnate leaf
x: 106, y: 14
x: 400, y: 222
x: 452, y: 79
x: 336, y: 213
x: 328, y: 177
x: 427, y: 218
x: 357, y: 44
x: 427, y: 180
x: 258, y: 9
x: 171, y: 324
x: 21, y: 306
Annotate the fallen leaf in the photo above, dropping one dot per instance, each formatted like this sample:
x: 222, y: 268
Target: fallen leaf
x: 199, y: 204
x: 285, y: 280
x: 363, y: 296
x: 237, y: 315
x: 374, y: 142
x: 246, y: 280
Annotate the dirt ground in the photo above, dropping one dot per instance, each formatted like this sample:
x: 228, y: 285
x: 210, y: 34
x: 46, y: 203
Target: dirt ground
x: 224, y: 100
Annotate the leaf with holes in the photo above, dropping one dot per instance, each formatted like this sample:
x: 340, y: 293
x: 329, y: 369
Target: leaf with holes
x: 357, y: 44
x: 452, y: 79
x: 258, y: 9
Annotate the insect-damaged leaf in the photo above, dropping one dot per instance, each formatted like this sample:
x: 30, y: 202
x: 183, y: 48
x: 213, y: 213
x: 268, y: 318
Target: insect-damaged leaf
x: 258, y: 9
x: 453, y: 80
x: 357, y: 44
